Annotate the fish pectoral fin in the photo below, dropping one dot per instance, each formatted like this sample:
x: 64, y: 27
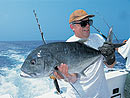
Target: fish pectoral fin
x: 82, y: 73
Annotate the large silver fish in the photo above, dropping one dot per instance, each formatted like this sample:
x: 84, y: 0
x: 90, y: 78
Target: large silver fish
x: 41, y: 62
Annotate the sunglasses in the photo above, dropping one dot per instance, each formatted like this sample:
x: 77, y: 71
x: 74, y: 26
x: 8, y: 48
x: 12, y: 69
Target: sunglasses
x: 84, y: 23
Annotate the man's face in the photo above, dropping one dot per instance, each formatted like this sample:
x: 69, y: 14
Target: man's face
x: 82, y: 28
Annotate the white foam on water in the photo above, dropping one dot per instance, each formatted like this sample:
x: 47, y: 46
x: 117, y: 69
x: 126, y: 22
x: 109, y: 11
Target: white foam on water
x: 19, y: 87
x: 19, y: 58
x: 35, y: 87
x: 15, y: 55
x: 9, y: 88
x: 8, y: 52
x: 12, y: 54
x: 13, y: 51
x: 4, y: 69
x: 6, y: 84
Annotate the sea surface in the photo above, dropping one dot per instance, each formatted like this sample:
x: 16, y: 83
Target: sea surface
x: 12, y: 56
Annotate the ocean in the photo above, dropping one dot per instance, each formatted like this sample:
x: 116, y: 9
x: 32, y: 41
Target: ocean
x: 12, y: 56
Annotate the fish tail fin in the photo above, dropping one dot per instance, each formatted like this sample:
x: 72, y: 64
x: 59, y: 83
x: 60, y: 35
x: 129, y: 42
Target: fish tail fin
x: 118, y: 45
x: 110, y: 35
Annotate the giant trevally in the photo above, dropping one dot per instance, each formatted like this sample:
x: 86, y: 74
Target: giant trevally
x: 41, y: 62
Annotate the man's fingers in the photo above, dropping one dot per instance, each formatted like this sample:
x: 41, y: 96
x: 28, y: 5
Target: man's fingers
x: 124, y: 41
x: 57, y: 75
x: 66, y: 70
x: 60, y: 68
x: 63, y: 68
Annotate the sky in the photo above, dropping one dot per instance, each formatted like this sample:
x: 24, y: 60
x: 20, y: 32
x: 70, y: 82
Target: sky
x: 18, y: 23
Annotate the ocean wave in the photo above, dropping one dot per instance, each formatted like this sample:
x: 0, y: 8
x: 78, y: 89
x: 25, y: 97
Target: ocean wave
x: 20, y: 87
x: 9, y: 88
x: 15, y: 55
x: 8, y: 52
x: 6, y: 83
x: 13, y: 51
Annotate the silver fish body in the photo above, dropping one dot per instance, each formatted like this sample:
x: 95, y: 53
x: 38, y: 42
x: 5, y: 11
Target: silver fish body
x: 42, y: 60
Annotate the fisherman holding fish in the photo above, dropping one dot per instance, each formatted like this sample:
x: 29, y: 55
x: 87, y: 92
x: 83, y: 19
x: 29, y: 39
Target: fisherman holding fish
x: 93, y: 84
x: 79, y: 61
x: 125, y: 52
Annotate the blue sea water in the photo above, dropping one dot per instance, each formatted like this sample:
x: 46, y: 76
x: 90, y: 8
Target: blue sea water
x: 12, y: 56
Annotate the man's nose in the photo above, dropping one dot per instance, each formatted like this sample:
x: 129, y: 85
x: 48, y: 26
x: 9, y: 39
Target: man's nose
x: 87, y: 26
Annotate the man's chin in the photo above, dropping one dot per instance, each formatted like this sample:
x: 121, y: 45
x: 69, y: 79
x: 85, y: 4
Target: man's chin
x: 86, y: 34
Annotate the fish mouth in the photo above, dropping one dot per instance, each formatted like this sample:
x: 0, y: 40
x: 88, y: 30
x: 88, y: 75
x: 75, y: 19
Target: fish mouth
x: 23, y: 74
x: 30, y: 75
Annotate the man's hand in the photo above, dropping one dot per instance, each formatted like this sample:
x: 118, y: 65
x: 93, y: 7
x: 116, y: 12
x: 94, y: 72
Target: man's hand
x: 108, y: 51
x: 63, y: 68
x: 124, y: 41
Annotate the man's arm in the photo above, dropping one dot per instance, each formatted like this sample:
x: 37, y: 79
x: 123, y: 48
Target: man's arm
x: 123, y: 42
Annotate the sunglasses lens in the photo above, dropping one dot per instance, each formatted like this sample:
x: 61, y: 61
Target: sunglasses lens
x: 90, y: 22
x: 84, y: 23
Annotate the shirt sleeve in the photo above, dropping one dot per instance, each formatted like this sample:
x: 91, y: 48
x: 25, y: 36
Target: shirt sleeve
x: 123, y: 50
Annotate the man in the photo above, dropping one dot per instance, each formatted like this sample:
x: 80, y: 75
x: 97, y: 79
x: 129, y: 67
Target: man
x: 125, y: 52
x: 94, y: 84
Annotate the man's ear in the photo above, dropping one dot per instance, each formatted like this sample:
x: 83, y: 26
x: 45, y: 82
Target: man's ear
x: 72, y: 26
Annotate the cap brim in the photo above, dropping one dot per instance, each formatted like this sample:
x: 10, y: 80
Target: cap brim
x: 86, y: 16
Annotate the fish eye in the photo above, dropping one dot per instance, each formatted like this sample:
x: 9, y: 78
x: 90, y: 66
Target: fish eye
x: 33, y: 61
